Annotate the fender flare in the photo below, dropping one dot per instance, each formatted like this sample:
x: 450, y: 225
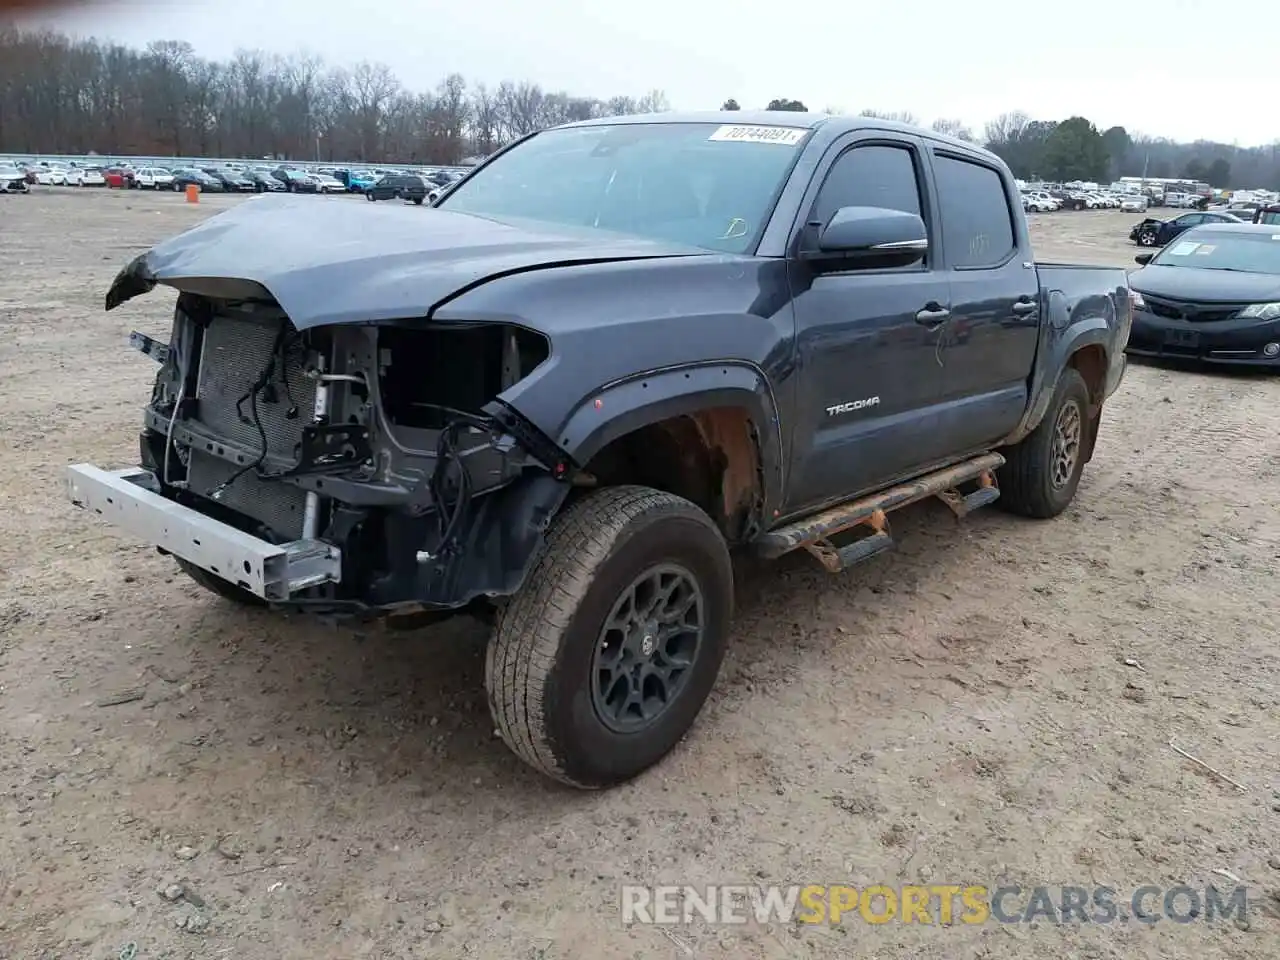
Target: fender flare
x: 1085, y: 332
x: 626, y: 405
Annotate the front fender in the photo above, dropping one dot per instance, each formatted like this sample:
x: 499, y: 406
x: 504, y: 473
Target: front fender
x: 624, y: 406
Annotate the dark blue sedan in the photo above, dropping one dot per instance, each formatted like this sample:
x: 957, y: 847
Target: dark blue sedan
x: 1156, y: 233
x: 1212, y: 294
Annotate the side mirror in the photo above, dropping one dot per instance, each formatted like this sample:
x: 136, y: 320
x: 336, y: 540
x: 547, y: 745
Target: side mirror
x: 872, y: 236
x: 1143, y: 258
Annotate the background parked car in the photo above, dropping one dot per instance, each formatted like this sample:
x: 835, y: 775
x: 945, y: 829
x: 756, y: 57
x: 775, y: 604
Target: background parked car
x: 13, y: 180
x: 231, y: 180
x: 328, y: 184
x: 184, y: 177
x: 121, y: 178
x: 1042, y: 202
x: 399, y: 186
x: 86, y: 177
x: 1156, y: 233
x: 1211, y: 296
x: 153, y: 178
x: 51, y: 176
x: 1134, y: 204
x: 264, y: 181
x: 294, y: 180
x: 357, y: 181
x: 1269, y: 214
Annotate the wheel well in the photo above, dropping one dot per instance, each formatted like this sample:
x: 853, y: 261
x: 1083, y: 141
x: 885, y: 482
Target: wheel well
x: 710, y: 457
x: 1091, y: 362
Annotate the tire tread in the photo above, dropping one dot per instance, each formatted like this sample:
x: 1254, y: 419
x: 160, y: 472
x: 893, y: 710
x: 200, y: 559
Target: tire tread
x: 1024, y: 481
x: 527, y: 634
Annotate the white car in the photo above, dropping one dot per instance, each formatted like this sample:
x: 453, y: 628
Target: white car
x: 328, y: 184
x: 51, y: 177
x: 1134, y: 204
x: 1042, y: 202
x: 153, y: 178
x: 12, y: 180
x: 86, y: 177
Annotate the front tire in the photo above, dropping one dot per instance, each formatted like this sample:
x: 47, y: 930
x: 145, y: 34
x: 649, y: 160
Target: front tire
x: 223, y: 588
x: 1042, y: 471
x: 1146, y: 238
x: 601, y: 663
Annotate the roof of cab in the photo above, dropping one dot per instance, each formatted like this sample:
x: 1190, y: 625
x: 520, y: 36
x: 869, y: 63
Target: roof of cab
x: 832, y: 125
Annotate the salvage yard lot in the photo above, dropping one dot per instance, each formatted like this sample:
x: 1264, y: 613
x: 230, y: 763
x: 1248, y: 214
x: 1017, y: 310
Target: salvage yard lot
x: 992, y: 703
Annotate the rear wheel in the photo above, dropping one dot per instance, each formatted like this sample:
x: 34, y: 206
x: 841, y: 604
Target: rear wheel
x: 1041, y: 472
x: 603, y: 660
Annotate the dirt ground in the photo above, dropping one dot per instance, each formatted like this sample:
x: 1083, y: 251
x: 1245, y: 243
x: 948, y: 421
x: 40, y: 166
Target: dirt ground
x: 993, y: 703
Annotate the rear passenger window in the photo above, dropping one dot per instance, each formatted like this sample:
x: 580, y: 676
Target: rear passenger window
x: 977, y: 226
x: 870, y: 176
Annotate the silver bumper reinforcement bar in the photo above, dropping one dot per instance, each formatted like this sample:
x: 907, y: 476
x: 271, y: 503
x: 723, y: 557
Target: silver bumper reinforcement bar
x: 130, y: 500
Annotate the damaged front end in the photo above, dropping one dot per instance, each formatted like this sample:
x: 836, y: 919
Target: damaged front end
x: 375, y: 463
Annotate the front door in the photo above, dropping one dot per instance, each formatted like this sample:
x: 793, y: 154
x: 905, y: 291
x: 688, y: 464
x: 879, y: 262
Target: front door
x: 989, y: 342
x: 866, y: 340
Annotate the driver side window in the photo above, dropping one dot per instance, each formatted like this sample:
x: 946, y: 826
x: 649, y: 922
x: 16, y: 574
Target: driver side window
x: 875, y: 175
x: 872, y: 175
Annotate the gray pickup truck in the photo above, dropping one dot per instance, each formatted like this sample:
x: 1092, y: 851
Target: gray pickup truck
x: 560, y: 395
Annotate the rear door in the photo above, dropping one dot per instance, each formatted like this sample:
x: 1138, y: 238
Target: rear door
x: 989, y: 343
x: 866, y: 339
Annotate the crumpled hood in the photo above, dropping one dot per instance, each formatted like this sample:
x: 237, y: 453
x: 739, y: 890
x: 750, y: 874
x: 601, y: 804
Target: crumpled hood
x: 341, y: 261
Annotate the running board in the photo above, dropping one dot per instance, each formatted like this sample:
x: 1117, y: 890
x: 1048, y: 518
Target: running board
x: 814, y: 533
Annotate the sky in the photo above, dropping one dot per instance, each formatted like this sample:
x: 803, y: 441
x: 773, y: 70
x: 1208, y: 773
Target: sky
x: 1184, y: 69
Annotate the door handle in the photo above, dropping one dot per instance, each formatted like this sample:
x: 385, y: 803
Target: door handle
x: 1025, y: 306
x: 932, y: 315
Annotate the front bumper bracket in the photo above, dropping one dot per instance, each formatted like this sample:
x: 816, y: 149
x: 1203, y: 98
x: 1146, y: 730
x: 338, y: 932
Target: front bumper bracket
x: 130, y: 499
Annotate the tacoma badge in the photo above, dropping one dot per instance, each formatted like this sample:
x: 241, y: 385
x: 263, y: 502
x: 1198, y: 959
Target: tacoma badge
x: 852, y: 405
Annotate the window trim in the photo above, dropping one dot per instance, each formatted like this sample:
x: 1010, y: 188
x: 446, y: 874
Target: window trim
x: 833, y: 154
x: 941, y: 153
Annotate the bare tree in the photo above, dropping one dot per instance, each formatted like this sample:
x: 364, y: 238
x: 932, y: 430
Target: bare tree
x: 1007, y: 127
x: 953, y: 128
x: 484, y: 120
x: 899, y: 116
x: 373, y: 86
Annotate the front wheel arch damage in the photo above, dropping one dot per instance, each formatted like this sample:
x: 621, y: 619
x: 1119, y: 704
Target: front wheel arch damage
x: 709, y: 457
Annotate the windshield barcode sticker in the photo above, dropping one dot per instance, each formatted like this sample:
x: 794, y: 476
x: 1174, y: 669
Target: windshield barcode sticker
x: 1184, y: 249
x: 787, y: 136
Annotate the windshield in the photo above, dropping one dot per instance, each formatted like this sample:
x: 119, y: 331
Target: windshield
x: 704, y: 184
x: 1211, y: 250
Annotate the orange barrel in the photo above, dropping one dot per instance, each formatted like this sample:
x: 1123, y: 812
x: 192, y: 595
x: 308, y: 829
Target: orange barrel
x: 193, y: 193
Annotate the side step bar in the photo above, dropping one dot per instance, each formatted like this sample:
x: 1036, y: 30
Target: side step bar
x: 814, y: 533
